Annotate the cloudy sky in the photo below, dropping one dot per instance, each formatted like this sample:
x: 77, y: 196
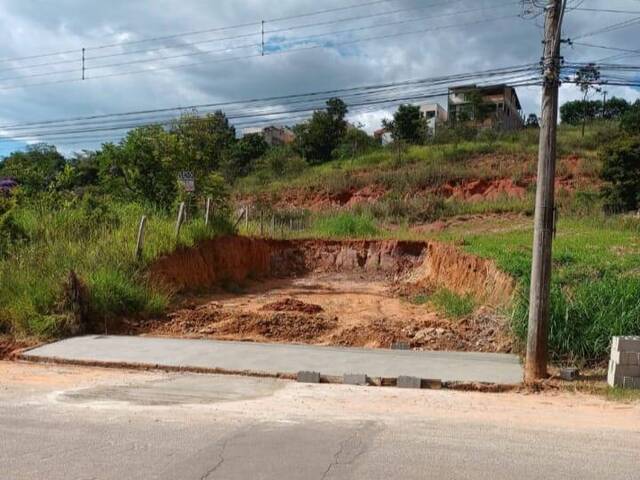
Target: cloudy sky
x: 355, y: 42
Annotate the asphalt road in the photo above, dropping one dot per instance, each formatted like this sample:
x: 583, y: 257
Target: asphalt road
x: 87, y: 423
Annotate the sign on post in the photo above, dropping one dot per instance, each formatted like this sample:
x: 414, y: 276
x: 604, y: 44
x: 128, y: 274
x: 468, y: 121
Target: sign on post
x: 187, y: 180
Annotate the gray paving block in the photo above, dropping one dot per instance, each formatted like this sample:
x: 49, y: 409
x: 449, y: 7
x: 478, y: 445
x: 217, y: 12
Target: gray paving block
x: 617, y: 372
x: 308, y: 377
x: 409, y: 382
x: 400, y: 346
x: 629, y: 343
x: 569, y: 373
x: 626, y: 358
x: 631, y: 382
x: 354, y: 379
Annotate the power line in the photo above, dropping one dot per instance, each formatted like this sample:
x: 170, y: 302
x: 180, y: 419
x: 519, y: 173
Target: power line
x: 289, y: 50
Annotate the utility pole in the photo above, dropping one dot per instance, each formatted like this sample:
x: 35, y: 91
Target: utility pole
x: 537, y: 340
x: 604, y: 104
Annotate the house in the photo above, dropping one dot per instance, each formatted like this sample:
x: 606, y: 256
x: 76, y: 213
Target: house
x: 435, y: 115
x: 493, y: 106
x: 273, y: 135
x: 383, y: 136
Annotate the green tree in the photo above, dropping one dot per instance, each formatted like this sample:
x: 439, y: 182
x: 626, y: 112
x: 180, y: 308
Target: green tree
x: 205, y: 140
x: 318, y: 138
x: 621, y: 169
x: 630, y: 120
x: 35, y: 168
x: 532, y: 121
x: 144, y: 164
x: 241, y: 158
x: 408, y: 125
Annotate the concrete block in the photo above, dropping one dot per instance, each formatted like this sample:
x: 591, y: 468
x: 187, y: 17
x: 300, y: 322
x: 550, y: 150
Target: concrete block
x: 617, y: 372
x: 354, y: 379
x: 409, y: 382
x: 432, y: 383
x: 309, y: 377
x: 569, y: 373
x: 400, y: 346
x: 631, y: 382
x: 626, y: 358
x: 630, y: 343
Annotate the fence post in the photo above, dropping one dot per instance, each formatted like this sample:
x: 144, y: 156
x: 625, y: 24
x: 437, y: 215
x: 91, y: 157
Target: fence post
x: 180, y: 219
x: 207, y: 211
x: 246, y: 218
x: 140, y: 241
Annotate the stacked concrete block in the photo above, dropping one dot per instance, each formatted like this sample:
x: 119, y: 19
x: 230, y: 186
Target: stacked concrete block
x: 624, y: 365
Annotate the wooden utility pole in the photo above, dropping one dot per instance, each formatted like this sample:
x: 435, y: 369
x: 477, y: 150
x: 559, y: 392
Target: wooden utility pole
x: 537, y: 340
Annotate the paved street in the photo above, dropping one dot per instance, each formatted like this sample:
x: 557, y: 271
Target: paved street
x: 89, y: 423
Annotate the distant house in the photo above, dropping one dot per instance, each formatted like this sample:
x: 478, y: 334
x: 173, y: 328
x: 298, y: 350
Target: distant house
x: 273, y: 135
x: 435, y: 115
x: 493, y: 106
x: 383, y: 136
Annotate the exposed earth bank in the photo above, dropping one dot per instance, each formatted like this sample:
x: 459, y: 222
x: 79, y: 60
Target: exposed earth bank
x: 350, y: 293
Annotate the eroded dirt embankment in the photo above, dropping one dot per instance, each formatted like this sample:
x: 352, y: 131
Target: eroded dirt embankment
x: 230, y: 260
x: 350, y: 293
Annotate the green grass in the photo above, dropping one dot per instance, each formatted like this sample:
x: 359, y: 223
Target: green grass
x: 344, y: 225
x: 452, y: 304
x: 595, y: 286
x: 101, y: 252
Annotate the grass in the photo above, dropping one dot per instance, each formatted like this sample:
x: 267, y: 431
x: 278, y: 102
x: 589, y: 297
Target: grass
x: 344, y: 225
x: 452, y: 304
x: 595, y: 286
x: 99, y: 247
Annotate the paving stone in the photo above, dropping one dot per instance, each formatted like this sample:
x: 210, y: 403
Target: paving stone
x: 630, y: 343
x: 432, y: 383
x: 617, y: 372
x: 626, y: 358
x: 569, y: 373
x: 409, y: 382
x: 400, y: 346
x: 309, y: 377
x: 631, y: 382
x: 354, y: 379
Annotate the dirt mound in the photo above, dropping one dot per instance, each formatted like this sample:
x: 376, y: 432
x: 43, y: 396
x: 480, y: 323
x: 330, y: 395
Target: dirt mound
x: 214, y: 320
x: 478, y: 190
x: 292, y: 305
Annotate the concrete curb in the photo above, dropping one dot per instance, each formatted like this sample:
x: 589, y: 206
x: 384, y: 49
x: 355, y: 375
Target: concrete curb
x: 429, y: 384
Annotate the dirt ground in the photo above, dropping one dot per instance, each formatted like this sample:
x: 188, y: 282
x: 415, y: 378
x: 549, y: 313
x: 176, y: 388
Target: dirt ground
x: 326, y: 309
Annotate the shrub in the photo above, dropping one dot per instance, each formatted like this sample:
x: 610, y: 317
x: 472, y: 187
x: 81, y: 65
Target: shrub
x: 346, y: 225
x: 621, y: 168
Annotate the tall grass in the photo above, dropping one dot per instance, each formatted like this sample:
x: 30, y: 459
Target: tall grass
x: 595, y: 285
x: 100, y: 251
x: 344, y: 225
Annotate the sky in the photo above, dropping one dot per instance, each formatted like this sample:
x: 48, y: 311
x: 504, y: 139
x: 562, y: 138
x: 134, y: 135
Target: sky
x: 456, y: 36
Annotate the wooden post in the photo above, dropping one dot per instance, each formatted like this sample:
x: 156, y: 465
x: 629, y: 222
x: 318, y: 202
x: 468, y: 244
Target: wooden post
x: 246, y: 218
x: 180, y: 219
x: 537, y: 339
x: 140, y: 241
x: 243, y: 213
x: 207, y: 211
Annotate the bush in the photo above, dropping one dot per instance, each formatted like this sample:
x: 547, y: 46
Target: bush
x: 621, y: 168
x: 346, y: 225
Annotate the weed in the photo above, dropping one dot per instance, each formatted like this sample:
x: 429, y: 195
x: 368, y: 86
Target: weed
x: 452, y: 304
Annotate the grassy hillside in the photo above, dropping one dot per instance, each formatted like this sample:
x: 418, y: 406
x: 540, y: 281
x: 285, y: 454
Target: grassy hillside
x: 97, y: 242
x: 596, y: 279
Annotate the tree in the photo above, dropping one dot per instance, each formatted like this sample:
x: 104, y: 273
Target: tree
x: 144, y: 163
x: 585, y: 78
x: 317, y: 139
x: 621, y: 169
x: 614, y: 108
x: 532, y: 121
x: 630, y: 120
x: 241, y: 157
x: 408, y: 125
x: 35, y: 168
x: 205, y: 141
x: 355, y: 142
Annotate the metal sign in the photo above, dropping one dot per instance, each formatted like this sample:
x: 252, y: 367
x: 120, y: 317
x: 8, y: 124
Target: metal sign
x: 188, y: 181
